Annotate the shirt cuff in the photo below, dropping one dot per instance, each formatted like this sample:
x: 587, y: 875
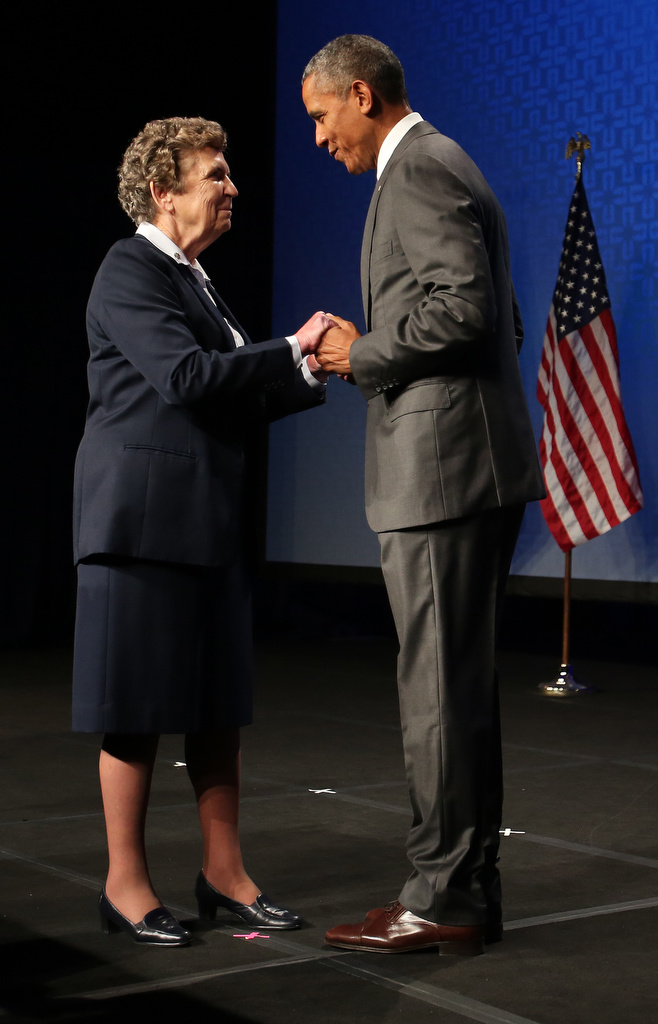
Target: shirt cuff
x: 296, y: 349
x: 318, y: 386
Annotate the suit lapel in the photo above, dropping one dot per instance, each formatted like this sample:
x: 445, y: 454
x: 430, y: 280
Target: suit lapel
x: 216, y: 312
x: 366, y: 249
x: 422, y: 128
x: 226, y: 312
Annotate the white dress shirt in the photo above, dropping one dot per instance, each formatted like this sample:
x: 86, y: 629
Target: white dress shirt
x: 396, y: 134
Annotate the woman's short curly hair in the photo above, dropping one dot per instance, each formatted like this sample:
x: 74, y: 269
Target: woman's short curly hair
x: 156, y: 154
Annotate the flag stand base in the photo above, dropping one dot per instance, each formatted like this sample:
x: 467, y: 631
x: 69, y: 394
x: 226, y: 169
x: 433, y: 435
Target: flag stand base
x: 564, y: 685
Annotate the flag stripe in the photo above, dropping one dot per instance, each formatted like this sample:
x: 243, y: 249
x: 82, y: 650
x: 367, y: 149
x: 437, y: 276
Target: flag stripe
x: 599, y: 424
x: 586, y: 430
x: 600, y: 331
x: 572, y: 516
x: 563, y: 469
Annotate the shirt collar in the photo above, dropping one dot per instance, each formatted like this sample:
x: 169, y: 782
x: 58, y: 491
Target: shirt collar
x: 396, y: 134
x: 166, y: 245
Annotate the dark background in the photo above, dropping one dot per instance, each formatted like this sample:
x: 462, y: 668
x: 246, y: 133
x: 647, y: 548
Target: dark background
x: 81, y: 86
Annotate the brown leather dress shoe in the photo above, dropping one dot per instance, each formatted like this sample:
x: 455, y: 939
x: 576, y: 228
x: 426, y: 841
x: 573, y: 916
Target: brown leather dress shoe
x: 393, y: 929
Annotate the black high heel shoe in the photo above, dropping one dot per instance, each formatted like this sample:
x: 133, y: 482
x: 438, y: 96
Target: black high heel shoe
x: 158, y: 928
x: 260, y: 913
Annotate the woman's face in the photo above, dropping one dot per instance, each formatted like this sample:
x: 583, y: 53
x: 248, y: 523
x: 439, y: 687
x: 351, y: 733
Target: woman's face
x: 202, y: 211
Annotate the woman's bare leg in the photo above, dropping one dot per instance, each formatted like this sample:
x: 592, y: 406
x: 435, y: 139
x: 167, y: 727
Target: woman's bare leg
x: 126, y: 769
x: 213, y: 765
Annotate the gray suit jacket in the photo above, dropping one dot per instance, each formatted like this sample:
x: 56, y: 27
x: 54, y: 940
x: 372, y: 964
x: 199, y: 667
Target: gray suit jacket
x: 448, y: 429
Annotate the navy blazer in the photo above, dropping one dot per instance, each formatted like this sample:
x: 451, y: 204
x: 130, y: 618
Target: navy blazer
x: 160, y: 469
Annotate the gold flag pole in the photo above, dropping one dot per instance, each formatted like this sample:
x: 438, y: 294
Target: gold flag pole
x: 577, y: 147
x: 565, y: 685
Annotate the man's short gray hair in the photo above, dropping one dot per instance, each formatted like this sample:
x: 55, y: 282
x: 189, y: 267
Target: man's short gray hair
x: 351, y: 57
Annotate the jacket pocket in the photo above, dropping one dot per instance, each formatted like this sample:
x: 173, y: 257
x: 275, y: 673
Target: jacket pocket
x: 381, y: 251
x: 153, y: 449
x: 424, y: 396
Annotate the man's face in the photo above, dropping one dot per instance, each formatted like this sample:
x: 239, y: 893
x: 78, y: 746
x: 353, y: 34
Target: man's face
x: 203, y: 209
x: 341, y: 126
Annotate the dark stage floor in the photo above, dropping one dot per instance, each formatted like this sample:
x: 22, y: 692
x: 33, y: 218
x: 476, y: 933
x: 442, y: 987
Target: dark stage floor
x: 324, y: 817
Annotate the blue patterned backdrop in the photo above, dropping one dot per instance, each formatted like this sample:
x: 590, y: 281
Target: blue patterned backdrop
x: 511, y: 81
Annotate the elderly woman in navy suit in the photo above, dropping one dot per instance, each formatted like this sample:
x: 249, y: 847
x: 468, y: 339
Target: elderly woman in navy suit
x: 163, y: 621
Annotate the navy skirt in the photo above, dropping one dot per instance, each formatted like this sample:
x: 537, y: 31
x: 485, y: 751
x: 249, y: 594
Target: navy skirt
x: 161, y: 648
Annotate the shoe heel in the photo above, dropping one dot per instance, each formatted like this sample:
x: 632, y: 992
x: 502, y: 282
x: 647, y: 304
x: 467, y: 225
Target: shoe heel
x: 108, y: 926
x: 207, y: 910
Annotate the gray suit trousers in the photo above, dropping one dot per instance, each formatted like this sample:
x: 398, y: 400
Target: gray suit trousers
x: 445, y: 584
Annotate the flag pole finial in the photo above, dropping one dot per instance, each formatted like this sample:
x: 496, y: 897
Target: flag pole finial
x: 577, y: 147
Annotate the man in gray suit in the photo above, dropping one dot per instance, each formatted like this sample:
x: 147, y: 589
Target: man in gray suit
x: 450, y: 464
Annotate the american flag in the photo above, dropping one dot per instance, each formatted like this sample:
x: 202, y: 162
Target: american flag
x: 586, y: 451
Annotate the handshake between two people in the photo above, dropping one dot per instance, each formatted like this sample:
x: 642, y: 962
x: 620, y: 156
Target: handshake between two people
x: 326, y: 339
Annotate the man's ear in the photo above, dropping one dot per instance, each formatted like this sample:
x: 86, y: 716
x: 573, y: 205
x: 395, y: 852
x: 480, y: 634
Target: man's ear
x: 363, y: 95
x: 161, y: 197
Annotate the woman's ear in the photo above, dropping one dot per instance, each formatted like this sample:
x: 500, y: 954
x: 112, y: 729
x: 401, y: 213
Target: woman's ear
x: 161, y: 197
